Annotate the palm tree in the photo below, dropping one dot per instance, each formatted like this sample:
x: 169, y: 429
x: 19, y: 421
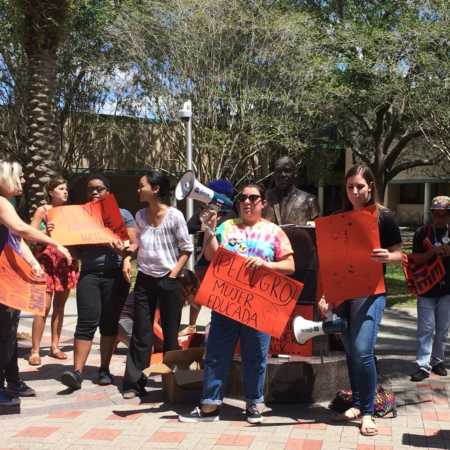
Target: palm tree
x: 42, y: 33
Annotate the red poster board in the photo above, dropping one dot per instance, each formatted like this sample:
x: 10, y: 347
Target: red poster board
x: 344, y: 243
x: 420, y: 278
x: 19, y: 287
x: 112, y: 218
x: 262, y: 299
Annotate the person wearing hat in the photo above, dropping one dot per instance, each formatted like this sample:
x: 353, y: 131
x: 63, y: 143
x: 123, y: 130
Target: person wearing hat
x: 220, y: 186
x: 433, y: 307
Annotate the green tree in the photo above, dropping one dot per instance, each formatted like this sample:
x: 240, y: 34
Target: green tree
x: 388, y: 64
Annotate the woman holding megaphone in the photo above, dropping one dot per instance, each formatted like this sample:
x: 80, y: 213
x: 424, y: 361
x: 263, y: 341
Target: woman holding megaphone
x: 264, y: 244
x: 364, y: 314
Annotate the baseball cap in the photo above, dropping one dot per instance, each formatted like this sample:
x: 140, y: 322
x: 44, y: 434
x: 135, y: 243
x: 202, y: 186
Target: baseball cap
x: 441, y: 202
x: 224, y: 187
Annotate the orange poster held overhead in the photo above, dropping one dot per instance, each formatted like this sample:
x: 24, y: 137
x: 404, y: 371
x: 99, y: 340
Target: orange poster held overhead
x: 80, y: 225
x: 262, y: 299
x: 19, y: 287
x: 344, y: 243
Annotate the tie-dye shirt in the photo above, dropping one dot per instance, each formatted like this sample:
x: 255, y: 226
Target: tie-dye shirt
x: 264, y: 239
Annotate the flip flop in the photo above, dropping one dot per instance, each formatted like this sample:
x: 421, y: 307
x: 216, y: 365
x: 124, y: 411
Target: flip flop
x: 349, y: 415
x: 34, y: 359
x: 58, y: 354
x: 370, y: 430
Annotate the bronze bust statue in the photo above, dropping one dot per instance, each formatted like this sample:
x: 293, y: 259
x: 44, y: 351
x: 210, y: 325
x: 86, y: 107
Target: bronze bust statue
x: 285, y: 203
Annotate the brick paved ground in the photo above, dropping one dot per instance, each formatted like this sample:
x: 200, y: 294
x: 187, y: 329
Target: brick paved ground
x: 98, y: 417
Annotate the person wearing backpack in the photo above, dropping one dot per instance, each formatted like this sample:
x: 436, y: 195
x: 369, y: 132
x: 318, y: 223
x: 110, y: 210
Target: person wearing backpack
x: 432, y: 241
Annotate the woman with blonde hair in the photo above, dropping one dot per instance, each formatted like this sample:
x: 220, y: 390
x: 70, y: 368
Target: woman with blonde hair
x: 61, y: 277
x: 13, y: 231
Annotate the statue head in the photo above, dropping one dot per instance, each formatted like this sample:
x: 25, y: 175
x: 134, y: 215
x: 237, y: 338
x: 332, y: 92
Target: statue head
x: 284, y: 173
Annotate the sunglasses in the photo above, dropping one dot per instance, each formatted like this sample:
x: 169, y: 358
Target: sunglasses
x: 252, y: 197
x: 97, y: 189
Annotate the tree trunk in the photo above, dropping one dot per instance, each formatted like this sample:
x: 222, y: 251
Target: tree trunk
x: 42, y: 141
x: 42, y: 32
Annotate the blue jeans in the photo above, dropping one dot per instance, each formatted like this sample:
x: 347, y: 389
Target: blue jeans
x: 223, y: 336
x: 364, y: 316
x: 433, y: 320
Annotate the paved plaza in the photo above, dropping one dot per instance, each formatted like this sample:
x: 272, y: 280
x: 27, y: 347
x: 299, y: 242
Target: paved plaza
x: 98, y: 417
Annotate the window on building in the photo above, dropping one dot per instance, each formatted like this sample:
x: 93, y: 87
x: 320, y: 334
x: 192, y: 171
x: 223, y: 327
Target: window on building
x: 412, y: 193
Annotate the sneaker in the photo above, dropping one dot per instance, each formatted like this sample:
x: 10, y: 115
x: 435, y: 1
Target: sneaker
x: 8, y: 405
x: 104, y: 377
x: 138, y: 390
x: 20, y: 389
x: 439, y: 369
x: 197, y: 415
x: 420, y: 375
x: 72, y: 379
x: 253, y: 415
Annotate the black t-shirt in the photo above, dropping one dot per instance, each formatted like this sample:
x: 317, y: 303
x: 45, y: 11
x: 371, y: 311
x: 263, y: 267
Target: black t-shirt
x: 435, y: 236
x: 388, y: 229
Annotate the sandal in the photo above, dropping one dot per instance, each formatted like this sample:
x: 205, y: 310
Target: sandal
x: 349, y: 415
x: 58, y: 354
x: 368, y: 427
x: 34, y: 359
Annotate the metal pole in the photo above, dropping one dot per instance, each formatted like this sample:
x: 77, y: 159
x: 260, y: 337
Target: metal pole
x: 189, y: 201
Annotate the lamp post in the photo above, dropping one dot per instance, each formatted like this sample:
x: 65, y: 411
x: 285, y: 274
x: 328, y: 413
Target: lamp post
x: 185, y: 115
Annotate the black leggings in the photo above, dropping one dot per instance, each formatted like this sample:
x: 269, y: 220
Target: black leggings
x: 100, y: 298
x: 149, y: 293
x: 9, y: 321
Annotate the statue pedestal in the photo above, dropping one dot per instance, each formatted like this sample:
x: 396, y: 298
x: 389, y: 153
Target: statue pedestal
x: 297, y: 379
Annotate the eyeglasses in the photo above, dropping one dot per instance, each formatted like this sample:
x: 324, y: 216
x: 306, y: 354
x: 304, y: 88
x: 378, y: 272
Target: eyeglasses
x: 252, y: 197
x: 98, y: 189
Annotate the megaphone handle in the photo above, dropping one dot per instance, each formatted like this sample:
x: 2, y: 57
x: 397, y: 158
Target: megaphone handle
x: 205, y: 244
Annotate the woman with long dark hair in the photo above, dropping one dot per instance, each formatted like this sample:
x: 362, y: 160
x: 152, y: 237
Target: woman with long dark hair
x: 264, y: 244
x: 164, y: 248
x: 364, y: 314
x: 61, y: 277
x: 101, y: 292
x: 13, y: 231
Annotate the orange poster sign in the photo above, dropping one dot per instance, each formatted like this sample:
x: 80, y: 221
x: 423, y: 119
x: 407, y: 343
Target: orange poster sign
x: 344, y: 243
x: 262, y: 299
x: 420, y: 278
x: 19, y: 287
x: 79, y: 225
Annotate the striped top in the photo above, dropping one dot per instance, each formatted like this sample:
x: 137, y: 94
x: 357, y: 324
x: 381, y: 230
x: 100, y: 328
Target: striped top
x: 160, y: 247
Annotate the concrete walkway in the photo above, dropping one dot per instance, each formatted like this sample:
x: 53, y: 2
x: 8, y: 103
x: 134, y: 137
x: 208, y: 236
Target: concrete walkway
x: 98, y: 417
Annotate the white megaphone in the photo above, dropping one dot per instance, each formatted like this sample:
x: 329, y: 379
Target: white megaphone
x: 189, y: 187
x: 304, y: 329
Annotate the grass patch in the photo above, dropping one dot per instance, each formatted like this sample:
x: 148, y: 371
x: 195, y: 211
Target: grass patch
x: 398, y: 294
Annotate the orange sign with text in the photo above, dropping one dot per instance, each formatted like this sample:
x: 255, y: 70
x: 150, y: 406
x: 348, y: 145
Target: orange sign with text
x: 344, y: 243
x: 259, y: 298
x: 80, y: 225
x: 19, y: 287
